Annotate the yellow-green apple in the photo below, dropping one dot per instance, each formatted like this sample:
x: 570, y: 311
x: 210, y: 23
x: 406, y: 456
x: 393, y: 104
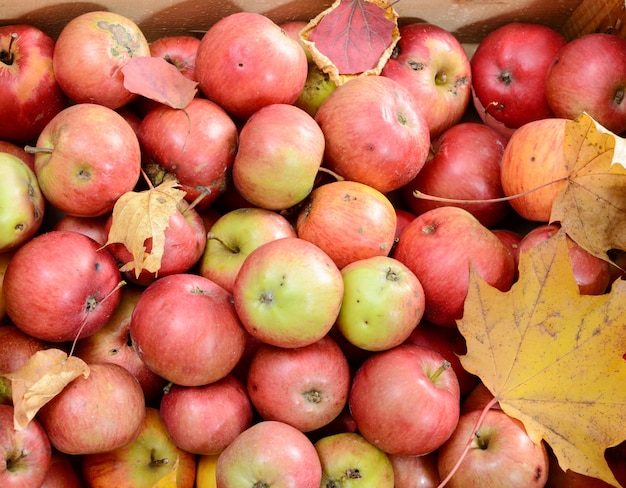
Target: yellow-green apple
x: 280, y: 152
x: 106, y: 408
x: 288, y: 292
x: 439, y: 246
x: 415, y: 471
x: 598, y: 89
x: 386, y: 145
x: 112, y: 344
x: 348, y: 220
x: 94, y: 227
x: 315, y: 91
x: 73, y: 162
x: 464, y: 164
x: 405, y: 400
x: 197, y: 144
x: 534, y: 158
x: 205, y: 338
x: 236, y: 234
x: 75, y: 280
x: 306, y: 387
x: 144, y: 462
x: 89, y: 54
x: 185, y: 410
x: 383, y: 301
x: 509, y: 70
x: 31, y: 95
x: 245, y: 61
x: 25, y: 453
x: 501, y: 453
x: 19, y: 151
x: 22, y: 204
x: 63, y: 472
x: 349, y: 460
x: 269, y: 453
x: 432, y: 63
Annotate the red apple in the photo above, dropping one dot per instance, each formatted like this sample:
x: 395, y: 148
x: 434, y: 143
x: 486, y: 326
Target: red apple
x: 375, y: 132
x: 61, y: 286
x: 31, y: 95
x: 5, y: 258
x: 598, y: 88
x: 90, y: 52
x: 439, y: 246
x: 403, y: 218
x: 509, y: 70
x: 433, y: 65
x: 19, y: 151
x: 511, y: 239
x: 348, y: 220
x: 205, y: 339
x: 245, y: 61
x: 179, y: 50
x: 415, y: 471
x: 16, y: 348
x: 305, y: 387
x: 94, y: 227
x: 557, y: 478
x: 405, y: 400
x: 106, y: 410
x: 292, y: 28
x: 464, y: 164
x: 477, y: 399
x: 185, y: 410
x: 63, y: 472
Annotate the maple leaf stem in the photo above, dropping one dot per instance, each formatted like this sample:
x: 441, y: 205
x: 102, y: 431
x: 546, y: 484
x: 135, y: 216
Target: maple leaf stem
x: 424, y: 196
x: 205, y: 193
x: 338, y: 177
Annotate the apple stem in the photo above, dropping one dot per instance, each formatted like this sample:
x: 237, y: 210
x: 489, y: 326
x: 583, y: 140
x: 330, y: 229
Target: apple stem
x: 36, y: 150
x: 6, y: 392
x: 7, y: 56
x: 424, y: 196
x: 468, y: 445
x: 234, y: 250
x: 446, y: 364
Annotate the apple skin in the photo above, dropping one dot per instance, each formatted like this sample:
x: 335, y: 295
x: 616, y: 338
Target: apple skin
x: 205, y: 339
x: 16, y: 348
x: 433, y: 65
x: 89, y: 54
x: 233, y: 236
x: 598, y: 89
x: 348, y: 220
x: 179, y: 50
x: 73, y: 162
x: 386, y: 145
x: 185, y: 410
x: 509, y: 70
x: 143, y: 462
x: 305, y: 387
x: 19, y: 151
x: 405, y: 401
x: 197, y: 144
x: 62, y: 472
x: 464, y: 164
x: 438, y: 246
x: 269, y: 453
x: 25, y: 454
x: 31, y: 95
x: 280, y: 152
x: 317, y: 87
x: 557, y: 478
x: 245, y: 61
x: 501, y: 453
x: 415, y: 471
x: 94, y: 227
x: 383, y: 302
x: 349, y: 460
x: 22, y: 204
x: 285, y: 282
x: 292, y: 28
x: 70, y: 304
x: 107, y: 410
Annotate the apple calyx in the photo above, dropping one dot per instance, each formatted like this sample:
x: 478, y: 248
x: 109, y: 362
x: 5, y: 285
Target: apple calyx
x: 7, y: 56
x: 618, y: 97
x: 313, y: 396
x: 349, y: 474
x: 260, y: 484
x: 14, y: 458
x: 433, y: 377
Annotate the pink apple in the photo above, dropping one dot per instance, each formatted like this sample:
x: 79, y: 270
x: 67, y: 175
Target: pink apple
x: 292, y: 28
x: 94, y: 227
x: 31, y: 95
x: 63, y: 472
x: 90, y: 52
x: 375, y: 132
x: 179, y: 50
x: 19, y: 151
x: 185, y: 410
x: 403, y: 218
x: 16, y: 348
x: 245, y: 61
x: 76, y: 283
x: 433, y: 65
x: 405, y: 400
x: 415, y: 471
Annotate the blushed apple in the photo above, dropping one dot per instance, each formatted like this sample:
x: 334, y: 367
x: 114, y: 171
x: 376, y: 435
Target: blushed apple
x: 63, y: 472
x: 94, y: 227
x: 179, y: 50
x: 415, y: 471
x: 19, y: 151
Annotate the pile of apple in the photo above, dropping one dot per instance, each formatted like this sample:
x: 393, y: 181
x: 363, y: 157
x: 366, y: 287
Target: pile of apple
x: 301, y: 328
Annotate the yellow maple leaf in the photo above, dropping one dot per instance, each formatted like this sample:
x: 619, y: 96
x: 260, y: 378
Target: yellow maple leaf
x: 554, y: 359
x: 44, y: 376
x: 170, y: 480
x: 592, y: 205
x: 141, y: 216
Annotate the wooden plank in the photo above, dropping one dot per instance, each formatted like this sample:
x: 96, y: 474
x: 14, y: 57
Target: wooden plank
x: 597, y: 16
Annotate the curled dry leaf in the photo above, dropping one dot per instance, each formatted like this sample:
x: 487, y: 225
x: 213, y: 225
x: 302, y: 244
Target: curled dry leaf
x: 352, y: 38
x: 42, y: 378
x: 552, y: 358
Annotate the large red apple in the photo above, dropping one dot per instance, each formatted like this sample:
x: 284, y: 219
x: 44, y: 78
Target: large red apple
x: 245, y: 61
x: 432, y: 63
x: 375, y: 132
x: 31, y: 95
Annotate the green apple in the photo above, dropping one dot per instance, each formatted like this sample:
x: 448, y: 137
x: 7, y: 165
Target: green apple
x: 349, y: 460
x: 383, y: 301
x: 317, y: 87
x: 21, y: 202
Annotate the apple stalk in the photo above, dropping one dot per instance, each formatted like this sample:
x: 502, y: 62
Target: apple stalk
x: 7, y: 56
